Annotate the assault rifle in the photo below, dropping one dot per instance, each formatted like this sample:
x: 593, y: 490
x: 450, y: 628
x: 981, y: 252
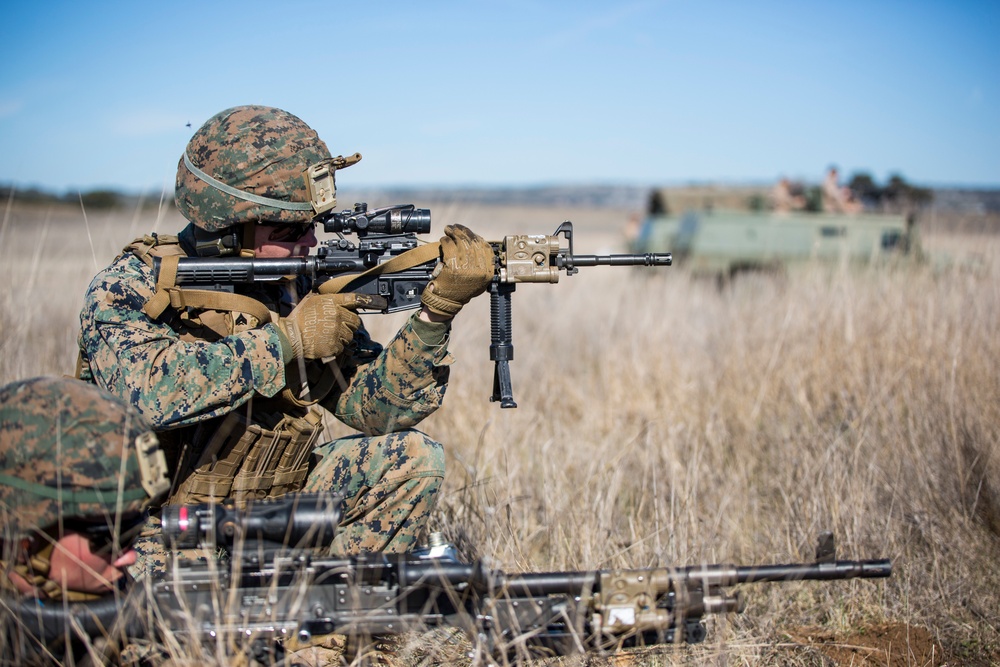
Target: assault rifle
x: 386, y: 265
x: 264, y: 598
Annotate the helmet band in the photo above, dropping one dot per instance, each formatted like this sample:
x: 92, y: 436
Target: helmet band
x: 247, y: 196
x: 70, y: 495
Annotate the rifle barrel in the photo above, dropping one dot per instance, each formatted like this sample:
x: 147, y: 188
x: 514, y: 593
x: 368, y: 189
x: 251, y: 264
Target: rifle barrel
x: 645, y: 259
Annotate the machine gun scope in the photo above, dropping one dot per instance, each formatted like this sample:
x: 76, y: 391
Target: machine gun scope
x: 297, y: 520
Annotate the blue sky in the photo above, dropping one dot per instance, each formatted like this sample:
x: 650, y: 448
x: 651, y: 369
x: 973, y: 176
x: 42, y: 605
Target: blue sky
x: 96, y: 94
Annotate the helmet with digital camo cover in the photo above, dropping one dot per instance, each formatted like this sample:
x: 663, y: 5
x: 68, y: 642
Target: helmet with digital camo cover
x: 71, y: 451
x: 249, y: 164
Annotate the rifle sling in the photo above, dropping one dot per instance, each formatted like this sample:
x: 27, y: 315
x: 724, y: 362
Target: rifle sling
x: 168, y: 294
x: 407, y: 260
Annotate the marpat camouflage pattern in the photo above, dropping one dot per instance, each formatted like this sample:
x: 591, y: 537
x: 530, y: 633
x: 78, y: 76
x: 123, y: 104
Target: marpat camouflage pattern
x: 62, y: 444
x: 260, y: 150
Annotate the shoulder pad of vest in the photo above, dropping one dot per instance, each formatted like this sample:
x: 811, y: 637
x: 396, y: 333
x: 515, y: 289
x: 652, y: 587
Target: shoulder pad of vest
x: 154, y: 245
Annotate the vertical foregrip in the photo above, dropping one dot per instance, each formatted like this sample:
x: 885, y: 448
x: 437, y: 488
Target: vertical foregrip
x: 501, y: 343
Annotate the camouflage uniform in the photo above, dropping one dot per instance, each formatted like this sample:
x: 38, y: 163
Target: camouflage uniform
x: 68, y: 451
x: 204, y: 379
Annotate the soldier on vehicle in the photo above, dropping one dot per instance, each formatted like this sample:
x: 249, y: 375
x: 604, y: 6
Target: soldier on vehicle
x: 837, y: 199
x: 784, y: 198
x: 231, y: 382
x: 78, y: 468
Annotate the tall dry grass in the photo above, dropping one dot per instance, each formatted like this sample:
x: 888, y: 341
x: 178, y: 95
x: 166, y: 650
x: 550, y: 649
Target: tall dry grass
x: 664, y: 421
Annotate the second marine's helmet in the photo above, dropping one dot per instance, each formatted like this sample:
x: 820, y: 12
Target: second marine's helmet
x: 249, y: 164
x: 69, y: 450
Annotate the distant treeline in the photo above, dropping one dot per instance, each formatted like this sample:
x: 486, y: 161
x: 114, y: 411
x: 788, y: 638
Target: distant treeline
x: 895, y: 194
x: 92, y: 199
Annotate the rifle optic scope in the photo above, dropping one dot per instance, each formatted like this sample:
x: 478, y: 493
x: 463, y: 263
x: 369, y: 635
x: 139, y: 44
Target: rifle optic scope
x: 400, y: 219
x: 297, y: 520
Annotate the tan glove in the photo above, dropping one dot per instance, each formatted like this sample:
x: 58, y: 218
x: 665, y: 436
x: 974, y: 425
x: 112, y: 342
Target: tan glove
x: 321, y: 325
x: 465, y: 271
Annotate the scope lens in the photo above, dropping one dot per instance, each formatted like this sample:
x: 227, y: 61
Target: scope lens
x: 180, y: 525
x: 295, y: 520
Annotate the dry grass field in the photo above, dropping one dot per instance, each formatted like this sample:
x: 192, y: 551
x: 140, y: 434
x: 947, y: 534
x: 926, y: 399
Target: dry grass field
x: 662, y: 421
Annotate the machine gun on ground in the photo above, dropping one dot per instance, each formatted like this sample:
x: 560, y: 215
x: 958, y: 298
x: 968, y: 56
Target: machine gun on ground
x: 263, y: 598
x: 391, y: 266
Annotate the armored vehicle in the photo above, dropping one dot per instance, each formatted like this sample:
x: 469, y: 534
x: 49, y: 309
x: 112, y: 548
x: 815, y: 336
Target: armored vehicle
x: 725, y: 242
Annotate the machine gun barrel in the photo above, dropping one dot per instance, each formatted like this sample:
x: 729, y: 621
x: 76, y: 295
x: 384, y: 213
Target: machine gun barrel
x: 841, y: 569
x: 663, y: 580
